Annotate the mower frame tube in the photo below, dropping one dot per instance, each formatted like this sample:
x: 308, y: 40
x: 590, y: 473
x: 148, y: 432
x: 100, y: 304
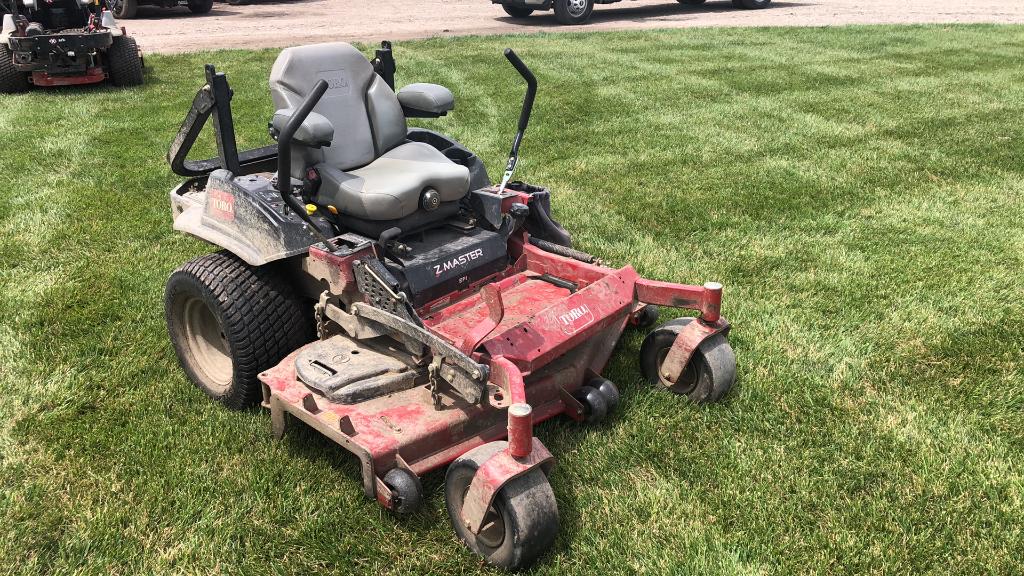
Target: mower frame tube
x: 214, y: 99
x: 520, y: 414
x: 706, y: 299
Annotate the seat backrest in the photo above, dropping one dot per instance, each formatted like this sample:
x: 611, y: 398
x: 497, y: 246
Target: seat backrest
x: 367, y: 118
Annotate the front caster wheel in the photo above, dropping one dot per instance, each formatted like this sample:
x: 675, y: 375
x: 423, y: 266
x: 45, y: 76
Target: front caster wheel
x: 406, y: 490
x: 595, y: 404
x: 522, y: 522
x: 607, y: 389
x: 646, y: 317
x: 710, y: 373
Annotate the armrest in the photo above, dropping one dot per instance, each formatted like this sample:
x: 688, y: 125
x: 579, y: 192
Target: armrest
x: 315, y: 131
x: 425, y: 100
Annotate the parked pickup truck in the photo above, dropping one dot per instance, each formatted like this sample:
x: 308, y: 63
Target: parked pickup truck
x: 579, y: 11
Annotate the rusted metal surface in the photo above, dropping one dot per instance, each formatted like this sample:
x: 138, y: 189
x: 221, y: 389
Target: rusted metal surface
x: 91, y: 76
x: 491, y: 296
x: 495, y: 473
x: 520, y: 414
x: 706, y: 299
x: 689, y: 338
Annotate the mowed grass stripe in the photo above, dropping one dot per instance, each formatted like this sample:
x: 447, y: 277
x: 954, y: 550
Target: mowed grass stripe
x: 858, y: 191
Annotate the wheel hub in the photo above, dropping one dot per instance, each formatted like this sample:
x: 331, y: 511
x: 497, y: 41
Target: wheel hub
x: 492, y: 531
x: 205, y: 341
x: 577, y: 7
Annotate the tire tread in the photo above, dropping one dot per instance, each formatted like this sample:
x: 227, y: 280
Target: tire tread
x: 262, y: 318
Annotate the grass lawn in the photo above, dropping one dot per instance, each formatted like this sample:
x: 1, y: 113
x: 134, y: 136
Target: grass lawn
x: 859, y: 191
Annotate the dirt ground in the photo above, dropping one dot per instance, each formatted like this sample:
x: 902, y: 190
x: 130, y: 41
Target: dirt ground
x: 273, y: 23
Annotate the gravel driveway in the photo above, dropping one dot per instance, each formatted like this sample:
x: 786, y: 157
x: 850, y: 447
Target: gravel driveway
x: 287, y: 22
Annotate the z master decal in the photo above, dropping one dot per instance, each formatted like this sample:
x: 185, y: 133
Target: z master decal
x: 457, y: 261
x: 575, y: 319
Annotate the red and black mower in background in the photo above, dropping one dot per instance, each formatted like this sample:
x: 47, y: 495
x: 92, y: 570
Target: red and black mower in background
x: 64, y: 43
x: 375, y: 285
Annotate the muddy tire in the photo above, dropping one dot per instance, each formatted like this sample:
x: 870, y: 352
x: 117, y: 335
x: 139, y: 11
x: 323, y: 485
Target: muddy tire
x: 229, y: 321
x: 708, y: 376
x: 200, y: 6
x: 12, y: 80
x: 124, y: 63
x: 522, y: 522
x: 573, y: 11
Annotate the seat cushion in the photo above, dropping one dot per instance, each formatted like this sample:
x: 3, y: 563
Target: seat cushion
x: 390, y: 187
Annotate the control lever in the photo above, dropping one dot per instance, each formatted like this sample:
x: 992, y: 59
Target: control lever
x: 524, y: 115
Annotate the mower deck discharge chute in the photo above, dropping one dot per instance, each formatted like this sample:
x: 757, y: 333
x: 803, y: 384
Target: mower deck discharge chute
x: 379, y: 288
x: 64, y: 43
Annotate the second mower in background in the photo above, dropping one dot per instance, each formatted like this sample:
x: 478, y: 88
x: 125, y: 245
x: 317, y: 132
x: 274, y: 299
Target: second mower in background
x: 64, y: 43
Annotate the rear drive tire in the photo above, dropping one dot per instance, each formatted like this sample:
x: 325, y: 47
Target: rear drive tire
x: 751, y: 4
x: 516, y: 11
x: 229, y: 321
x: 123, y: 8
x: 573, y: 11
x: 124, y: 63
x: 522, y: 522
x: 12, y: 80
x: 708, y: 376
x: 200, y: 6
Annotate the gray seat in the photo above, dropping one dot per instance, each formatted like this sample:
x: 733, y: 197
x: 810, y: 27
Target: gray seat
x: 370, y: 170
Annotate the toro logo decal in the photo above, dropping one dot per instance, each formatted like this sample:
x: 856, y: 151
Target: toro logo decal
x: 337, y: 80
x: 457, y: 262
x: 575, y: 319
x: 221, y: 204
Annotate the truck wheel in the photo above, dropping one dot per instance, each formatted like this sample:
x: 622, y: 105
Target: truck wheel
x: 710, y: 373
x: 516, y: 11
x: 522, y: 522
x: 12, y: 80
x: 200, y: 6
x: 229, y: 321
x: 123, y: 8
x: 573, y: 11
x: 751, y: 4
x: 124, y: 63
